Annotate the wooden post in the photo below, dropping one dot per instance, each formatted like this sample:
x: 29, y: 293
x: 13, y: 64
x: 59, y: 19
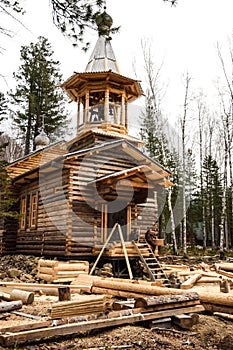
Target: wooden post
x: 64, y: 294
x: 122, y: 109
x: 125, y: 252
x: 106, y: 105
x: 126, y: 117
x: 86, y: 114
x: 224, y: 286
x: 78, y: 115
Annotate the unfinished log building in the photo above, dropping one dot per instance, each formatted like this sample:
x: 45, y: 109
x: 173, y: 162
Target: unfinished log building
x: 72, y: 193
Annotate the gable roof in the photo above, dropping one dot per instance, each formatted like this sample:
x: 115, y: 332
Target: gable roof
x: 35, y: 159
x: 128, y: 148
x: 48, y: 157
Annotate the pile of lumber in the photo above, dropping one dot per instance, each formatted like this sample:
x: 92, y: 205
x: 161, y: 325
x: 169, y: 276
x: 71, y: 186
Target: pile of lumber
x: 202, y: 274
x: 84, y: 305
x: 61, y: 271
x: 166, y: 309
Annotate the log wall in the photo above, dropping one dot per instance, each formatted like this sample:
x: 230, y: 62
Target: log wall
x: 49, y: 236
x: 87, y: 204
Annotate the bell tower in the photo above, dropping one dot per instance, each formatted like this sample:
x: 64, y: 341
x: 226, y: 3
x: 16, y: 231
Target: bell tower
x: 102, y: 94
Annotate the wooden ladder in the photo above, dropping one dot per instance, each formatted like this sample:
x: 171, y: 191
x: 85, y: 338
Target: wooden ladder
x: 151, y: 263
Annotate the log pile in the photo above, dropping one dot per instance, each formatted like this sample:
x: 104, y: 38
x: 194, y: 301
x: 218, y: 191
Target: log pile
x: 61, y: 271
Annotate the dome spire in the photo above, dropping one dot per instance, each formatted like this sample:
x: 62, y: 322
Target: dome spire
x: 103, y: 58
x: 104, y: 23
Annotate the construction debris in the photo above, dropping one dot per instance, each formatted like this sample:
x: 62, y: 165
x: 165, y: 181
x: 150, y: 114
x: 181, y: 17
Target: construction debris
x: 95, y: 302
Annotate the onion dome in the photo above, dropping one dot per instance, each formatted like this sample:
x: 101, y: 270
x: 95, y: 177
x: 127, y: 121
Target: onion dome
x: 104, y: 23
x: 41, y: 140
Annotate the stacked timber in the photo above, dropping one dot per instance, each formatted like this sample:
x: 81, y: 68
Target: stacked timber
x: 116, y: 249
x: 172, y: 308
x: 61, y: 271
x: 85, y: 305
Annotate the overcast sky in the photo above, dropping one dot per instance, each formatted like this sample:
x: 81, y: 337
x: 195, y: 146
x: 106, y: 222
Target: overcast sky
x: 183, y: 37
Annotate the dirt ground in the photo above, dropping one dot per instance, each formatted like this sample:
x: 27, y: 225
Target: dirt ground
x: 211, y: 332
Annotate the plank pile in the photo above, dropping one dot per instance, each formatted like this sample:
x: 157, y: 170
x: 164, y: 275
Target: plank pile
x: 84, y: 305
x: 61, y: 271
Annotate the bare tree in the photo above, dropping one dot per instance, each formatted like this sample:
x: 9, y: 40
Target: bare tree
x: 183, y: 122
x: 156, y: 125
x: 12, y: 151
x: 227, y: 122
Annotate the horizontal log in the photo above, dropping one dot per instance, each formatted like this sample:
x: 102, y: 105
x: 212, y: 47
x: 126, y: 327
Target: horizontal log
x: 209, y: 280
x: 10, y: 306
x: 224, y: 266
x: 211, y: 308
x: 225, y: 273
x: 13, y: 294
x: 205, y: 297
x: 165, y: 299
x: 189, y: 283
x: 117, y: 293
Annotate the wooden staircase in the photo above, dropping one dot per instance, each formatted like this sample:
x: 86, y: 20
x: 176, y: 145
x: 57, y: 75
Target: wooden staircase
x: 151, y: 263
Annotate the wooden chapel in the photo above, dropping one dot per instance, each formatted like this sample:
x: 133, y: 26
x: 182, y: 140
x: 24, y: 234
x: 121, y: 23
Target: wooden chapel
x: 71, y: 194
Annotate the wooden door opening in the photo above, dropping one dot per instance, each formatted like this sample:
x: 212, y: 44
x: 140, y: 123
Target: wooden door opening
x: 110, y: 218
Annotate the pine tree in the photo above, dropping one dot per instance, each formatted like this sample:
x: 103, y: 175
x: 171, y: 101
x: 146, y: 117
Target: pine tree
x: 36, y: 94
x: 191, y: 185
x: 212, y: 199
